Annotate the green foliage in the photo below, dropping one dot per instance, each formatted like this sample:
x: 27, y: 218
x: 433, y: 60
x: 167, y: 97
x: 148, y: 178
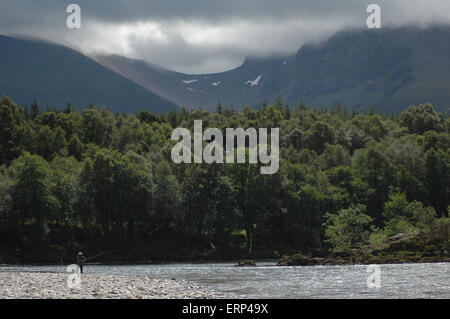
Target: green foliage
x: 421, y: 119
x: 75, y: 147
x: 12, y: 121
x: 99, y: 181
x: 32, y: 200
x: 397, y: 206
x: 377, y: 236
x: 398, y: 225
x: 403, y: 217
x: 437, y: 178
x: 348, y: 227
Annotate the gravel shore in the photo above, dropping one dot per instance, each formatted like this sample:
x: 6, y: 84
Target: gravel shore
x: 32, y: 285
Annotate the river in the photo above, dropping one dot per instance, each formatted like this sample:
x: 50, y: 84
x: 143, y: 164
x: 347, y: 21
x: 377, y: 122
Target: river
x: 270, y: 281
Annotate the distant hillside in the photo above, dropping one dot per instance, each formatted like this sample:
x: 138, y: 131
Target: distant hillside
x: 387, y: 69
x: 54, y: 74
x: 235, y: 87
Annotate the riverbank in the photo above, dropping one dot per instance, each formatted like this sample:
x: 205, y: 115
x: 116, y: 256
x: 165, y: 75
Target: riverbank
x: 263, y: 282
x: 402, y: 248
x: 399, y: 249
x: 34, y: 285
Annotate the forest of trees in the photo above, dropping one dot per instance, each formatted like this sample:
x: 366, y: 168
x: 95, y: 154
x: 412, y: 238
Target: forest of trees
x: 94, y: 181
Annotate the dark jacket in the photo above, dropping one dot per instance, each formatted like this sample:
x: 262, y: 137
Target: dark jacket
x: 80, y: 259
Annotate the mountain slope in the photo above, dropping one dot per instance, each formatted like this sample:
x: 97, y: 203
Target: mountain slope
x: 54, y: 74
x: 387, y: 69
x: 235, y: 87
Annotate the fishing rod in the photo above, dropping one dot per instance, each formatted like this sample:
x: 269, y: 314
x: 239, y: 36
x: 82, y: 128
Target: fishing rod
x: 147, y: 235
x: 110, y: 252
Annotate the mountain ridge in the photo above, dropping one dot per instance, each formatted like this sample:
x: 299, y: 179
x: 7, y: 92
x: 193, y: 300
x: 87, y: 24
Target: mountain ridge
x: 54, y: 74
x: 387, y: 70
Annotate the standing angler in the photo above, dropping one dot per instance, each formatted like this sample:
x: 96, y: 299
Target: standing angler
x: 80, y: 261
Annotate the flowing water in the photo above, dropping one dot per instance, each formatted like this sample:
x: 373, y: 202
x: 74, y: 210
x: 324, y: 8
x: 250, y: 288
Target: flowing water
x: 269, y: 281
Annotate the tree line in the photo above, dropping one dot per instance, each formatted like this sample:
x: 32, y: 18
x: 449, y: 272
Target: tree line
x: 96, y: 181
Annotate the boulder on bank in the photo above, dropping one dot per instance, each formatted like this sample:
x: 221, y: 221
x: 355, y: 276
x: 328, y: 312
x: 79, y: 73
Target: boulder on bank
x: 299, y: 260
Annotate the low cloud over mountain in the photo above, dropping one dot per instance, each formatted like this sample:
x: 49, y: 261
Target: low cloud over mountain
x: 203, y: 36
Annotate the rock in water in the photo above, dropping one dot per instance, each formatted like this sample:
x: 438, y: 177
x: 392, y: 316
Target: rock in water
x: 244, y: 263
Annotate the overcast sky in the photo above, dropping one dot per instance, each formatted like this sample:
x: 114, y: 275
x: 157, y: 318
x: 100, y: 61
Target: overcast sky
x: 202, y: 36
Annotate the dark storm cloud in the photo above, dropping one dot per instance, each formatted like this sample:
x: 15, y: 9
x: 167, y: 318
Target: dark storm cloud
x: 210, y: 10
x: 204, y: 35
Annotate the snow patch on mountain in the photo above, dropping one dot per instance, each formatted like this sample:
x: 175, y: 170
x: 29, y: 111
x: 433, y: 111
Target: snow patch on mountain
x: 255, y: 82
x: 190, y: 81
